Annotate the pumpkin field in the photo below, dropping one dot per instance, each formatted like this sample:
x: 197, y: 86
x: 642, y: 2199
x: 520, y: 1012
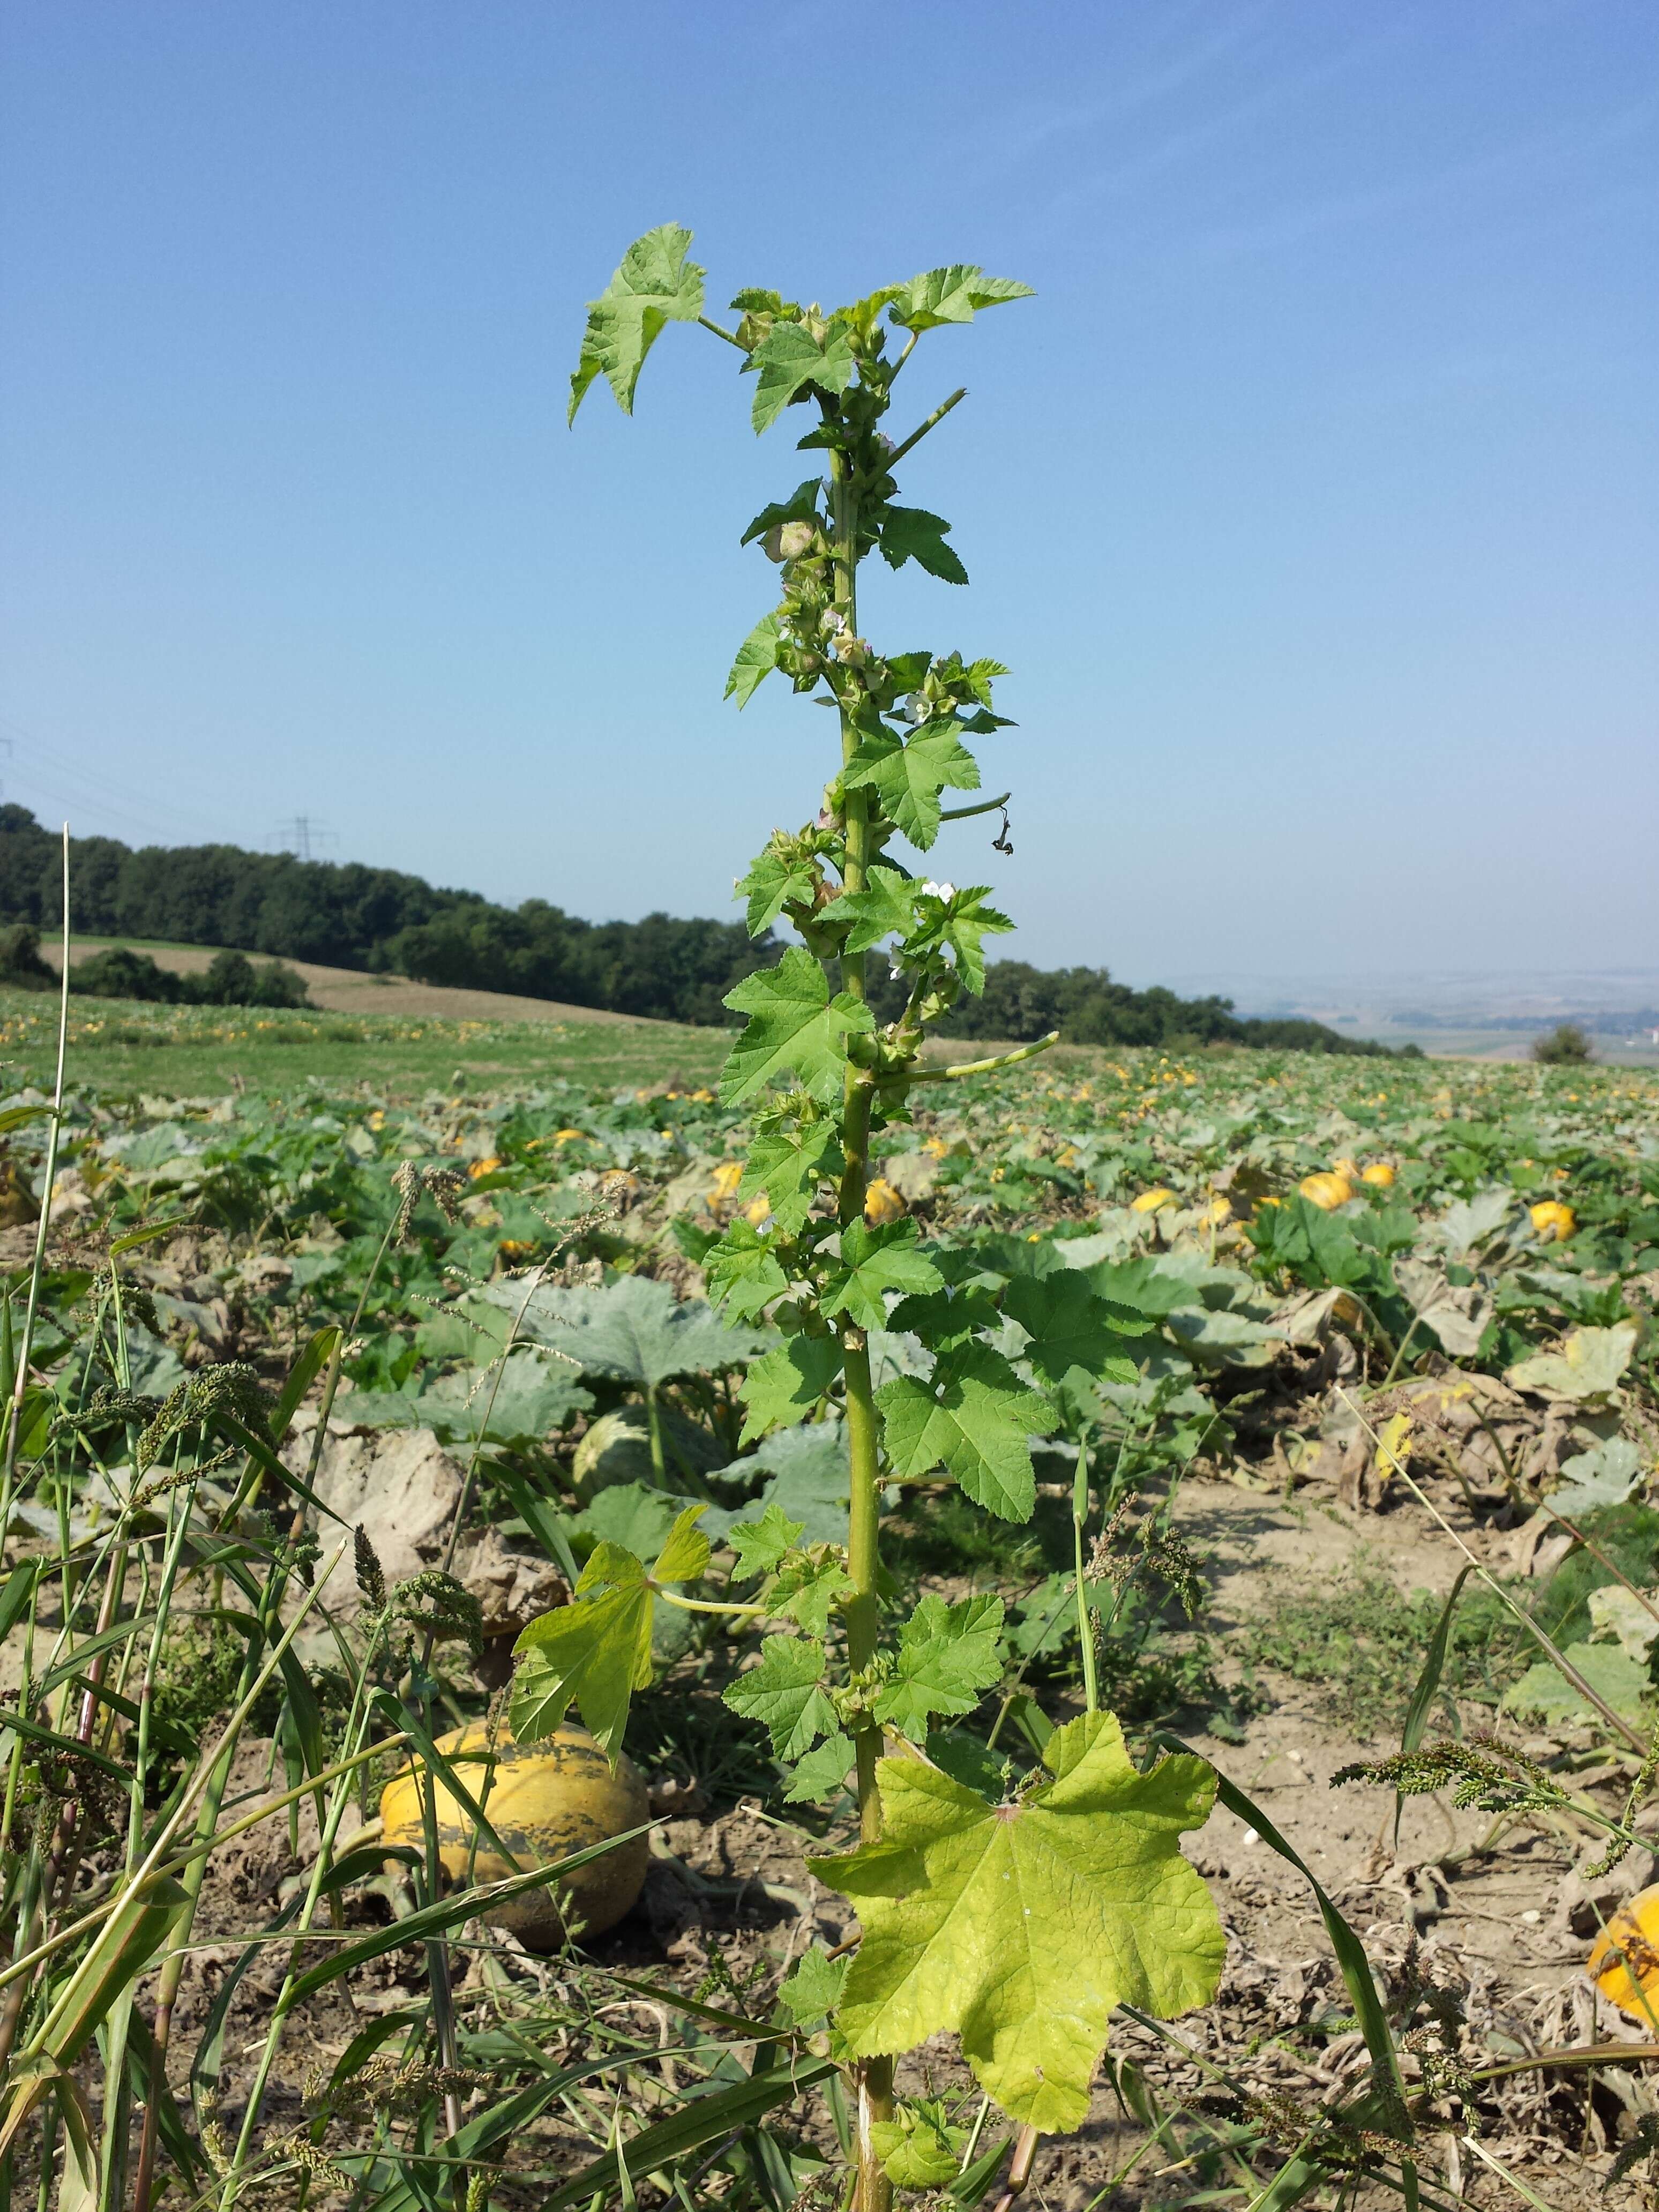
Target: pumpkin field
x: 814, y: 1615
x: 1383, y: 1333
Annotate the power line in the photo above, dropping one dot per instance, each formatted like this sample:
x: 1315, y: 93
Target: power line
x: 93, y: 791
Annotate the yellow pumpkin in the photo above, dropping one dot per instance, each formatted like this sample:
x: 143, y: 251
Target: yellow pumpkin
x: 1326, y: 1190
x: 882, y: 1203
x: 724, y: 1188
x: 1624, y: 1960
x: 1379, y: 1173
x: 1553, y: 1221
x: 757, y: 1210
x: 1150, y: 1200
x: 544, y: 1801
x: 1349, y: 1168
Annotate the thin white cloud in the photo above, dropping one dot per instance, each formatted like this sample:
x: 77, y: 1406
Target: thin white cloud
x: 1289, y: 226
x: 1145, y: 163
x: 1144, y: 91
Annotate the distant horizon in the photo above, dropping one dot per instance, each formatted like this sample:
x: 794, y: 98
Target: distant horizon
x: 1379, y: 995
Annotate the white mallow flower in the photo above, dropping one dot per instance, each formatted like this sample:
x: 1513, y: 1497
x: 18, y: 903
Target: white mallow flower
x: 945, y: 891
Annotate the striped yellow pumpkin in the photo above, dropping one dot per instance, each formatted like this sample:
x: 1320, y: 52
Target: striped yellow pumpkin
x: 544, y: 1801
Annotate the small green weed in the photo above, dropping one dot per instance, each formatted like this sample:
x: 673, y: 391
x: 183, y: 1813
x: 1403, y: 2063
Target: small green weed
x: 1360, y: 1643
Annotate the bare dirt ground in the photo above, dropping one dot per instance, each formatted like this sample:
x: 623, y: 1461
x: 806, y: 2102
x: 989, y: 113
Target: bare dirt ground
x: 1493, y: 1917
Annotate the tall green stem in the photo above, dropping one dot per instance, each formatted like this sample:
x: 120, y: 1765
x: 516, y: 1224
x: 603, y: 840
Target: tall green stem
x: 875, y: 2079
x: 1086, y: 1627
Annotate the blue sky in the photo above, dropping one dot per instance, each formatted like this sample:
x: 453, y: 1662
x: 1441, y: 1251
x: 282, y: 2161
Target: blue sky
x: 1312, y: 500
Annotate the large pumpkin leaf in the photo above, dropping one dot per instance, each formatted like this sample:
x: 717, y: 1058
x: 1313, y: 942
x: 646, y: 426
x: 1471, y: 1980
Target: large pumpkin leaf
x: 1591, y: 1481
x: 1022, y: 1926
x: 535, y: 1395
x: 810, y: 1468
x: 1618, y: 1680
x: 633, y: 1330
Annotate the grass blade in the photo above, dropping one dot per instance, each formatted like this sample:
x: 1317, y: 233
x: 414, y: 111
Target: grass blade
x: 1391, y: 2118
x: 656, y: 2149
x: 125, y: 1947
x: 449, y: 1912
x: 539, y: 1518
x: 1417, y: 1713
x: 14, y: 1595
x: 303, y: 1373
x: 397, y: 1715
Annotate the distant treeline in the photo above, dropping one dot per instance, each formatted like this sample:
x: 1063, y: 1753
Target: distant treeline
x: 230, y: 979
x: 1021, y: 1002
x: 347, y: 915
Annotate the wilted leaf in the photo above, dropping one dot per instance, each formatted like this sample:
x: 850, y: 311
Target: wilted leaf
x: 1586, y: 1369
x: 1458, y: 1313
x: 1621, y: 1681
x: 1603, y: 1476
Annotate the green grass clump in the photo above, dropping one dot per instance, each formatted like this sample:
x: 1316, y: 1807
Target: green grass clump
x: 192, y: 1051
x: 1361, y: 1644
